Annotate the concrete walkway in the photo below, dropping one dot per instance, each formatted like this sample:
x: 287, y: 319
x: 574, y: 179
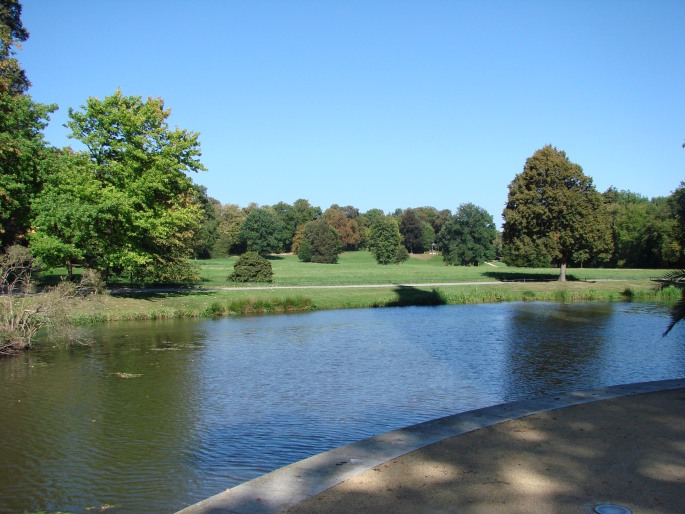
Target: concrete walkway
x: 622, y: 445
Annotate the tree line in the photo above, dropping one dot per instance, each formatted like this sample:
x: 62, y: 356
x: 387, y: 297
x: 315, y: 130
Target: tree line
x: 127, y: 205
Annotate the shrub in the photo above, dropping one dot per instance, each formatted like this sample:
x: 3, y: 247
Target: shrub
x: 251, y: 267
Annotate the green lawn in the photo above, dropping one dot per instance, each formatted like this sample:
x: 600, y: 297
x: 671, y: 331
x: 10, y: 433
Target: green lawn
x: 491, y: 284
x: 361, y: 268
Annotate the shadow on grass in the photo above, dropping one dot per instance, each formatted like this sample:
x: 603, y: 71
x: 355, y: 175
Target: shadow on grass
x: 513, y: 276
x: 407, y: 296
x: 157, y: 294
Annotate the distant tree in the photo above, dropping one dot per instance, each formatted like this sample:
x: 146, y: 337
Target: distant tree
x: 292, y: 216
x: 468, y: 238
x: 229, y: 218
x: 22, y: 148
x: 207, y: 235
x: 554, y: 214
x: 261, y: 231
x: 428, y: 235
x: 385, y: 241
x: 411, y: 228
x: 251, y: 267
x: 644, y: 232
x: 320, y: 243
x: 348, y: 229
x: 677, y: 204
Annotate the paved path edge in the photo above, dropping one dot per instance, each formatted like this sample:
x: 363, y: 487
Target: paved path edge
x: 287, y: 486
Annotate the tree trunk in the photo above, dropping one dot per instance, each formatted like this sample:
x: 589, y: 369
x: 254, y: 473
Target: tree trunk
x: 562, y: 273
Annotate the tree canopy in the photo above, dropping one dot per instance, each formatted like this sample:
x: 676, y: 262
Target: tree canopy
x: 128, y: 196
x: 554, y: 214
x: 385, y: 241
x: 320, y: 243
x: 22, y: 148
x: 261, y: 231
x: 468, y: 237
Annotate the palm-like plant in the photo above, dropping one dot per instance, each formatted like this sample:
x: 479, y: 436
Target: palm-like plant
x: 675, y: 278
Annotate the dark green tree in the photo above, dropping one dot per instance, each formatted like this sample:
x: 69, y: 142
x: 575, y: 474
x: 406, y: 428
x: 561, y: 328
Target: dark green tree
x: 468, y: 238
x: 251, y: 267
x: 554, y: 214
x: 411, y: 228
x: 22, y: 148
x: 320, y: 243
x: 261, y: 231
x: 385, y: 241
x: 292, y: 216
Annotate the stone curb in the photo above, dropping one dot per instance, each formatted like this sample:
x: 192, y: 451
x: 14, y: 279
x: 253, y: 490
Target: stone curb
x: 287, y: 486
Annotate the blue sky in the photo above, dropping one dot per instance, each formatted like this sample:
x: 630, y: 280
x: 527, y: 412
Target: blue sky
x: 382, y: 104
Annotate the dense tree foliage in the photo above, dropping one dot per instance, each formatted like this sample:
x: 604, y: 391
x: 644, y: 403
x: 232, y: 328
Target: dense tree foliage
x: 411, y: 228
x: 22, y: 148
x: 293, y: 216
x: 385, y: 241
x: 348, y: 228
x: 229, y: 220
x: 261, y: 231
x: 554, y: 214
x: 320, y: 243
x: 468, y: 237
x: 142, y: 209
x: 251, y: 267
x: 645, y: 233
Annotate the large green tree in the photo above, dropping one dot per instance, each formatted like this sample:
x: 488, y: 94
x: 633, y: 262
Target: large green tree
x: 468, y: 237
x: 320, y: 243
x: 22, y: 148
x: 385, y: 241
x: 554, y: 214
x: 142, y: 208
x: 261, y: 231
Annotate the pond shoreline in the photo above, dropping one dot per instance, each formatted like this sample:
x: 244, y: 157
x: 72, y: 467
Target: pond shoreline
x: 136, y: 304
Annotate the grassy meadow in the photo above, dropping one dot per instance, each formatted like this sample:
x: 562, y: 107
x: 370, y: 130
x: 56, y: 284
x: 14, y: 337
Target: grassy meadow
x: 302, y: 286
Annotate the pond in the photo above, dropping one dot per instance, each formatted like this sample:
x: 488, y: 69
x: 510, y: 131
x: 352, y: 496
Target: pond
x: 155, y: 416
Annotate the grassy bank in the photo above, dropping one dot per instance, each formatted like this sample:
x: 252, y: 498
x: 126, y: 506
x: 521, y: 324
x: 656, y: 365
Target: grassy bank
x: 302, y: 287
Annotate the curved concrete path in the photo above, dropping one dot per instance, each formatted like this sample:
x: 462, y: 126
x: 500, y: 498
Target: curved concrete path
x: 621, y: 445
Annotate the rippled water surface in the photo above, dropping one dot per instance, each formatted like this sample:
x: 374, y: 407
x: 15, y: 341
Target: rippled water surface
x: 155, y: 416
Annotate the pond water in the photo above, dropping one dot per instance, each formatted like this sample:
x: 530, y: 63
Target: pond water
x: 155, y: 416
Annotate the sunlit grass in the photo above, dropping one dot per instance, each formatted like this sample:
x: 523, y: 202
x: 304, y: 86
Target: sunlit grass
x: 215, y: 296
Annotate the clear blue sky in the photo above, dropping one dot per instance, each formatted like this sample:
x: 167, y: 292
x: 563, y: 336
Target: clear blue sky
x: 382, y: 104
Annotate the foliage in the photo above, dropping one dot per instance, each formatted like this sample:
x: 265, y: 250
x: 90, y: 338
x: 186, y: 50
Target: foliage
x: 251, y: 267
x: 293, y: 216
x: 411, y: 228
x: 468, y: 238
x: 229, y: 218
x: 554, y: 209
x: 320, y: 243
x: 347, y: 227
x: 135, y: 206
x: 208, y: 233
x: 385, y: 240
x: 22, y: 121
x: 261, y: 231
x: 645, y: 233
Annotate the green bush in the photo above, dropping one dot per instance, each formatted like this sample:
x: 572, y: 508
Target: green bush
x: 251, y: 267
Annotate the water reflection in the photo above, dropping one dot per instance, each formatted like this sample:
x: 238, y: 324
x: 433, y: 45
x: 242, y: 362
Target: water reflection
x: 155, y: 416
x: 548, y: 348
